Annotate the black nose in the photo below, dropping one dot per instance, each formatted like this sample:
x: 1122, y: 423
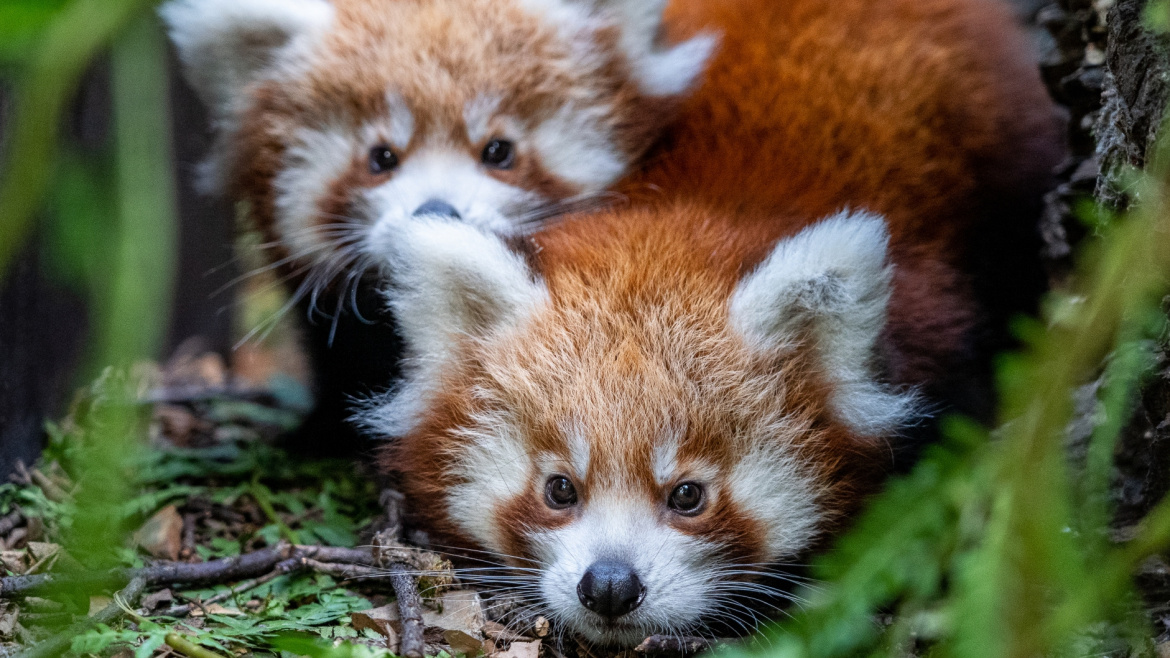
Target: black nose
x: 610, y: 588
x: 437, y: 207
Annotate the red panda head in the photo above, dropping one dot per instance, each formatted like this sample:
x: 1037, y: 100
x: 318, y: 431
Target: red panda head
x: 334, y: 117
x: 634, y: 424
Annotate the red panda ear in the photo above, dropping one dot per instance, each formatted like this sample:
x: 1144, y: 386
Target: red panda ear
x: 829, y: 287
x: 661, y: 69
x: 227, y: 44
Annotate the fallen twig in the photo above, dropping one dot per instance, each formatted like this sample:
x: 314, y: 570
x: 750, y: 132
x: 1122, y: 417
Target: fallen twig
x: 288, y: 566
x: 44, y: 618
x: 362, y: 556
x: 668, y: 644
x: 50, y: 488
x: 344, y: 571
x: 57, y: 644
x: 412, y: 644
x: 10, y: 585
x: 230, y: 569
x: 9, y: 521
x: 393, y: 502
x: 192, y: 394
x: 248, y: 565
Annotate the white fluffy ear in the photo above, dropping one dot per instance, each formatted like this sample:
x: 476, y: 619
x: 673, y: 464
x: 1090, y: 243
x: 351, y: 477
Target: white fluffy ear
x: 661, y: 70
x: 227, y: 44
x: 829, y: 285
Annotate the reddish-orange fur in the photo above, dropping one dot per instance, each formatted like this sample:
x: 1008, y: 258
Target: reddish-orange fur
x: 929, y: 112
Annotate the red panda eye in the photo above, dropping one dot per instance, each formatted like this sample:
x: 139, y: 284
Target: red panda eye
x: 687, y: 498
x: 499, y: 154
x: 559, y: 492
x: 382, y: 159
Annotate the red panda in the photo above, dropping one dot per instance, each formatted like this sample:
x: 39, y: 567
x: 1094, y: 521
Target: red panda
x: 638, y: 410
x: 337, y: 117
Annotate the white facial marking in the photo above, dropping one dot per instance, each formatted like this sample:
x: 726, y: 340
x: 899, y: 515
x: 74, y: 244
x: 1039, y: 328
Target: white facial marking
x: 664, y: 459
x: 453, y: 177
x: 777, y: 491
x: 477, y: 116
x: 578, y: 450
x: 672, y: 566
x: 313, y: 160
x: 395, y: 129
x: 495, y: 469
x: 573, y: 145
x: 401, y: 120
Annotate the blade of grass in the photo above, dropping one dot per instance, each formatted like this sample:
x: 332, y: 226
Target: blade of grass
x: 69, y: 44
x: 146, y: 246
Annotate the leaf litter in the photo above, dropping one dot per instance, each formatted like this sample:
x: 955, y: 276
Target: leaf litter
x: 237, y: 547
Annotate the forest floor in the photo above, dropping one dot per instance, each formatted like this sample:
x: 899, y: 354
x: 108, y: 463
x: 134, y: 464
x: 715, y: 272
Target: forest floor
x: 233, y: 546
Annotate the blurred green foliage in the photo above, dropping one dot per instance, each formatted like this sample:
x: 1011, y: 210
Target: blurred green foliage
x: 997, y: 545
x: 108, y: 213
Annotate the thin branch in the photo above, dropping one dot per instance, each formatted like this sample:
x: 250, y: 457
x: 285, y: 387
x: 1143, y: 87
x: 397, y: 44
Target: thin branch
x: 230, y: 569
x: 288, y: 566
x: 405, y: 587
x: 344, y: 571
x: 335, y: 555
x: 9, y: 522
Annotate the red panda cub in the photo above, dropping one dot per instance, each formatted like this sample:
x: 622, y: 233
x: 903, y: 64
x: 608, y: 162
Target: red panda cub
x: 639, y: 410
x: 335, y: 118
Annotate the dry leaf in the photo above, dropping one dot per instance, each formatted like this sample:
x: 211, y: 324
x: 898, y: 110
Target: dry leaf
x: 98, y: 603
x: 42, y: 550
x: 152, y: 601
x: 540, y: 626
x: 178, y: 425
x: 376, y: 619
x: 192, y: 367
x: 381, y: 621
x: 521, y: 650
x: 498, y: 631
x: 14, y: 561
x: 162, y: 534
x: 462, y: 610
x: 463, y: 643
x: 8, y: 618
x: 43, y: 556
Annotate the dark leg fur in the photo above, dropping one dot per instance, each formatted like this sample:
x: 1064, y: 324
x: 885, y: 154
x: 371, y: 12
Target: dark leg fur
x: 1008, y: 280
x: 363, y: 358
